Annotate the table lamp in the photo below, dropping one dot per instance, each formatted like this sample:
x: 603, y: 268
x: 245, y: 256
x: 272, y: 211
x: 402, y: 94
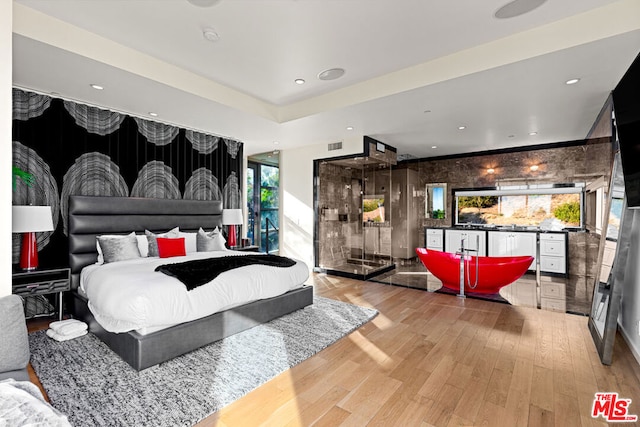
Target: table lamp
x: 29, y: 220
x: 231, y: 218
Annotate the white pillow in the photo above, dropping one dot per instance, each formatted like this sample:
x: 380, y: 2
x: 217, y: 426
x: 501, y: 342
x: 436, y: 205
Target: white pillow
x: 143, y: 245
x: 213, y: 241
x: 190, y: 241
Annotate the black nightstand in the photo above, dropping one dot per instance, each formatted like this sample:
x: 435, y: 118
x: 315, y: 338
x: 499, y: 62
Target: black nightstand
x: 250, y: 248
x: 42, y: 282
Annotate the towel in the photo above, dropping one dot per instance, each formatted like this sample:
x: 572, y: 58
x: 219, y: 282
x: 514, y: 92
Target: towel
x: 58, y: 337
x: 68, y: 327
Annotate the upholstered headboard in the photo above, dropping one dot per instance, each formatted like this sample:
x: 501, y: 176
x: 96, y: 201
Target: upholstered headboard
x: 90, y: 216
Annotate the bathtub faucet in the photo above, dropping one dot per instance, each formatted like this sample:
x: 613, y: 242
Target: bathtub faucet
x: 463, y: 252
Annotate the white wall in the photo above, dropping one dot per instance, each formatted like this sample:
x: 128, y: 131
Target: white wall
x: 629, y: 315
x: 6, y: 53
x: 296, y: 195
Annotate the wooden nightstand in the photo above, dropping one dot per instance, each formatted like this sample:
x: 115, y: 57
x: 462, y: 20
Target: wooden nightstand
x: 42, y: 282
x: 250, y: 248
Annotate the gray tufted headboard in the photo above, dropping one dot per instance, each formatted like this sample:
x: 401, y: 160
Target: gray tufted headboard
x: 90, y: 216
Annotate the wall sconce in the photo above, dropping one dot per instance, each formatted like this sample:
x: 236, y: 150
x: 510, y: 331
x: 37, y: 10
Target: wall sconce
x: 534, y: 167
x: 491, y: 171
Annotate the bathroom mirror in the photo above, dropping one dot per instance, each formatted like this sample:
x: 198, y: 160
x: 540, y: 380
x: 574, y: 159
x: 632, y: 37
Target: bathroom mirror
x: 435, y: 201
x: 612, y: 258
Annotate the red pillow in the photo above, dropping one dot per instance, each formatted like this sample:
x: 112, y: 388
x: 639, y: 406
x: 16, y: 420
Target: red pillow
x: 171, y: 247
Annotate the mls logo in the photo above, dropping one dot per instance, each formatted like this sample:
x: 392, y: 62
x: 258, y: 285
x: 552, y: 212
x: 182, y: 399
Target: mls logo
x: 612, y: 408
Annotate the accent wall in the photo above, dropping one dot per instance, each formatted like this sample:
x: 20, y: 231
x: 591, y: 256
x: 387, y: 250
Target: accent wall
x: 76, y: 149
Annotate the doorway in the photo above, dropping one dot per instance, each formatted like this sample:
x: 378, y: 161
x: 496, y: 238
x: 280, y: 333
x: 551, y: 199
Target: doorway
x: 263, y: 201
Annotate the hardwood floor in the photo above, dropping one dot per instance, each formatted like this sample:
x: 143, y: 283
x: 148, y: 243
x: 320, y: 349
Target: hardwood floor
x: 433, y: 359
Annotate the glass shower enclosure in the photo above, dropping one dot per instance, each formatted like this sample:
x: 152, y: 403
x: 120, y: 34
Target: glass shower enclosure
x: 353, y: 236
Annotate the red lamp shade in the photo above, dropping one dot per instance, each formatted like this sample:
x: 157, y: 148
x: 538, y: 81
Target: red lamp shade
x: 29, y: 220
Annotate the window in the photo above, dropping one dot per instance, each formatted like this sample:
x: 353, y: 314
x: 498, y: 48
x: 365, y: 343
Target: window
x: 550, y: 206
x: 263, y: 203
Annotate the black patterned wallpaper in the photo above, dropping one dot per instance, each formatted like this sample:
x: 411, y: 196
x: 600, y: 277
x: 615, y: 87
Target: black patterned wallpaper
x: 74, y: 149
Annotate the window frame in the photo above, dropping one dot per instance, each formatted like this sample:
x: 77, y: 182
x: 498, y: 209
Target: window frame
x: 522, y: 190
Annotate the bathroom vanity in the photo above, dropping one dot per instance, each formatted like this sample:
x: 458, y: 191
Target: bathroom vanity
x: 549, y: 248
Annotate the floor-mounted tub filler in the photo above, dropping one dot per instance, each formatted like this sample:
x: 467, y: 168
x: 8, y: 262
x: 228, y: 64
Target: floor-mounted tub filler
x: 483, y: 274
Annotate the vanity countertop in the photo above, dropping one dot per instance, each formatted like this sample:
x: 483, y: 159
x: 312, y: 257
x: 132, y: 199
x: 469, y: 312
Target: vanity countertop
x: 506, y: 228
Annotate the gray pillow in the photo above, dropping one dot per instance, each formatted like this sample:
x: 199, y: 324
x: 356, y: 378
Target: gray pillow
x: 119, y: 248
x: 213, y: 241
x: 14, y: 351
x: 153, y: 243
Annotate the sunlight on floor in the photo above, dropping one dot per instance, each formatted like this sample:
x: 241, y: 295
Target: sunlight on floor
x: 379, y: 356
x: 381, y: 321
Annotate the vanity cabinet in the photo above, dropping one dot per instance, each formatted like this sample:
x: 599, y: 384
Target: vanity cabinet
x: 506, y: 243
x: 384, y: 244
x: 473, y: 239
x: 553, y: 253
x: 371, y: 240
x: 553, y: 296
x: 434, y: 239
x: 377, y: 241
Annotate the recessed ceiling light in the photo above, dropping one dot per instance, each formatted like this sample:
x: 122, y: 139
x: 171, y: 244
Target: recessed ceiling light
x: 203, y: 3
x: 210, y: 34
x: 517, y: 8
x: 434, y: 146
x: 491, y: 171
x: 533, y: 133
x: 96, y: 87
x: 462, y: 127
x: 534, y: 167
x: 572, y: 81
x: 152, y: 114
x: 299, y: 81
x: 331, y: 74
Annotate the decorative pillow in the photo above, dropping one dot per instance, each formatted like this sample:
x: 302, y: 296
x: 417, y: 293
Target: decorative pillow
x: 119, y: 248
x: 213, y: 241
x: 171, y: 247
x: 151, y: 237
x: 190, y: 241
x: 143, y: 246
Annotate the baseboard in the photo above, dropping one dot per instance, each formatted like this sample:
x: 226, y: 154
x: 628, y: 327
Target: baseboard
x: 634, y: 350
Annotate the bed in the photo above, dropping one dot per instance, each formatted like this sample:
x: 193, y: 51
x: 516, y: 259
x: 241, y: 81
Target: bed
x: 93, y: 216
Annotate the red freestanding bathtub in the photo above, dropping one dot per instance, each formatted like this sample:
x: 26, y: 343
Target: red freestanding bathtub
x: 494, y: 272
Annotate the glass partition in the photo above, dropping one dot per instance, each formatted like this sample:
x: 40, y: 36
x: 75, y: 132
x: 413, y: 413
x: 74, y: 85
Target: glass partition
x: 354, y: 232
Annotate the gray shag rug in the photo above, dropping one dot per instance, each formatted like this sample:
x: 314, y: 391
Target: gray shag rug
x: 94, y: 387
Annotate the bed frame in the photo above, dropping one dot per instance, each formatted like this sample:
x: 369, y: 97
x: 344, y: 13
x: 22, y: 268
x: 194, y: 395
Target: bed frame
x: 91, y: 216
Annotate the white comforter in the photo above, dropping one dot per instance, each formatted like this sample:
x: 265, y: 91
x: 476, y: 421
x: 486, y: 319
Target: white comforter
x: 129, y: 295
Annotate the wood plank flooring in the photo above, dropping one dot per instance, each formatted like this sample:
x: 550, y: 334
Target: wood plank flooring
x: 436, y: 360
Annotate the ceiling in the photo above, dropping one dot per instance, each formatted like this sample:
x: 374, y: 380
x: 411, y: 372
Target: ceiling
x: 415, y: 70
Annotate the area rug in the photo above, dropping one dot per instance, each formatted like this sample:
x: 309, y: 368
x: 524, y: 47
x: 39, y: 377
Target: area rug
x: 94, y: 387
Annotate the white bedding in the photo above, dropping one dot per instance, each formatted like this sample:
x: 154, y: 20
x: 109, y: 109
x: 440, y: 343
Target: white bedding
x: 129, y: 295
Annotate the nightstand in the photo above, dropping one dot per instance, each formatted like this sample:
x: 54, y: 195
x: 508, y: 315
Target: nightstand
x: 250, y: 248
x: 42, y: 282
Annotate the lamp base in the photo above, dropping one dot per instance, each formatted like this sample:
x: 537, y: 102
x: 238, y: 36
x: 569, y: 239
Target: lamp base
x: 232, y: 236
x: 29, y: 252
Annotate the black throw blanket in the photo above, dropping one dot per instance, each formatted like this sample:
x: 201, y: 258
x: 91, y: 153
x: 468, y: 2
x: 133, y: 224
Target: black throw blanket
x: 198, y: 272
